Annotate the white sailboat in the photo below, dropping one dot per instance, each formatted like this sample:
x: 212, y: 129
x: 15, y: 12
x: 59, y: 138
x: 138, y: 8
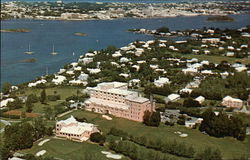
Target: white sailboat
x: 53, y: 51
x: 73, y: 53
x: 28, y: 52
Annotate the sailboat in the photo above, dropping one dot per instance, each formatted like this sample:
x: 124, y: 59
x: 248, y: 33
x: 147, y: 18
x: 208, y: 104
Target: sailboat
x: 28, y: 52
x: 73, y: 53
x: 53, y: 51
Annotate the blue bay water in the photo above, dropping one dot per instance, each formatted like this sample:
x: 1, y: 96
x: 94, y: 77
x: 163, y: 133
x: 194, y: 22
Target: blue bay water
x: 100, y: 34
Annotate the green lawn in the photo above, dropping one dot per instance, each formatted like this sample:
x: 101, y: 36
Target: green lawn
x: 215, y: 58
x: 229, y: 147
x: 64, y: 92
x: 69, y: 150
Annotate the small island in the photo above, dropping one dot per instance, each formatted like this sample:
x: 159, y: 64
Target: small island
x: 220, y: 18
x: 80, y: 34
x: 28, y: 60
x: 15, y: 30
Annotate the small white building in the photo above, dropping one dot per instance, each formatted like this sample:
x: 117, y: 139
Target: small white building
x: 200, y: 99
x: 194, y: 121
x: 186, y: 90
x: 189, y: 71
x: 172, y: 97
x: 93, y: 70
x: 228, y: 101
x: 4, y: 102
x: 59, y: 79
x: 83, y: 77
x: 161, y: 81
x: 42, y: 81
x: 74, y: 130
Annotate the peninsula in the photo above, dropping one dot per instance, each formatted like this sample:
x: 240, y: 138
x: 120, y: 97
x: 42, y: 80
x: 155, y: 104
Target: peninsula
x: 15, y: 30
x: 60, y: 10
x: 80, y: 34
x: 220, y: 18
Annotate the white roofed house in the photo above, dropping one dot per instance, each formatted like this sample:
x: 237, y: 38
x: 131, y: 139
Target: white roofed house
x: 161, y: 81
x: 83, y: 77
x: 186, y: 90
x: 58, y: 79
x: 193, y: 122
x: 229, y: 101
x: 190, y: 71
x: 200, y: 99
x: 134, y: 82
x: 210, y: 40
x: 74, y: 130
x: 172, y: 97
x: 85, y: 60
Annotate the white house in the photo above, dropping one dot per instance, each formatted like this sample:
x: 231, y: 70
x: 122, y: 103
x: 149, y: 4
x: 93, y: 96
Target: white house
x: 42, y: 81
x: 200, y: 99
x: 194, y: 121
x: 228, y: 101
x: 58, y: 79
x: 186, y: 90
x: 189, y: 71
x: 4, y: 102
x: 74, y: 130
x: 161, y: 81
x: 83, y: 77
x: 172, y: 97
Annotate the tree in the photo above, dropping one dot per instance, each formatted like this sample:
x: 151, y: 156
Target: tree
x: 155, y: 119
x: 6, y: 88
x: 48, y: 113
x: 28, y: 106
x: 39, y: 127
x: 163, y: 30
x: 97, y: 137
x: 152, y: 118
x: 146, y: 117
x: 43, y: 96
x: 222, y: 125
x: 189, y: 102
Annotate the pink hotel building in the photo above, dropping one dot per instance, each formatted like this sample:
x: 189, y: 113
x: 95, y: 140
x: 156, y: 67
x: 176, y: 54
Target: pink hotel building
x: 115, y: 98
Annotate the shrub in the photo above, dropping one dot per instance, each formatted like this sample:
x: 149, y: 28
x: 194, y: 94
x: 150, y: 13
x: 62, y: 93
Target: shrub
x: 97, y: 137
x: 169, y: 123
x: 181, y: 122
x: 163, y: 30
x: 189, y: 102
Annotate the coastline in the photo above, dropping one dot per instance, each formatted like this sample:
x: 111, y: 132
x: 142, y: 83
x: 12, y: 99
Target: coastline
x: 156, y: 17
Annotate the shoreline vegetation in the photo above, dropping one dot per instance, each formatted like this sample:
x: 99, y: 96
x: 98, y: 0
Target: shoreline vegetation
x: 80, y: 34
x: 24, y: 30
x: 28, y: 60
x: 220, y: 18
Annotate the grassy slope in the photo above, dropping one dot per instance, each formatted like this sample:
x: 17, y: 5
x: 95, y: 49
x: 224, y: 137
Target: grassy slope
x: 214, y: 58
x: 69, y: 150
x: 64, y: 92
x: 230, y: 147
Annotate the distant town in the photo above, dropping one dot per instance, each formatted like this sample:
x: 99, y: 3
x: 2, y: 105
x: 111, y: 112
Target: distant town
x: 86, y: 11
